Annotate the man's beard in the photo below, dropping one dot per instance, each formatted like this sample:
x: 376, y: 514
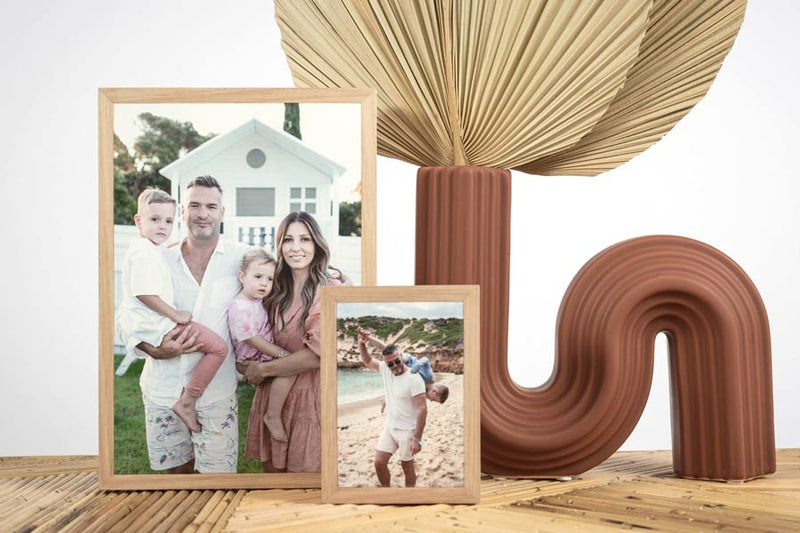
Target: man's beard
x: 207, y: 231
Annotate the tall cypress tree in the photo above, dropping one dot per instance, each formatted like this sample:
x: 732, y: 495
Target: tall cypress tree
x: 291, y: 119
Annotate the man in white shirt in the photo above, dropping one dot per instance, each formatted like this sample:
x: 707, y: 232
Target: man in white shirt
x: 406, y: 412
x: 204, y: 269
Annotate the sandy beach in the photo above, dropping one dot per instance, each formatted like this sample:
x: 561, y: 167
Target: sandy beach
x: 439, y: 464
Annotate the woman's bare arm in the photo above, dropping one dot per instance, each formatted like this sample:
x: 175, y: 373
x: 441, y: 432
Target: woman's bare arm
x: 295, y: 363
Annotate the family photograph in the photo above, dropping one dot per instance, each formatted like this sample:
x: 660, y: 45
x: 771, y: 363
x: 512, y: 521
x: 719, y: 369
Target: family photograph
x: 400, y: 394
x: 220, y: 254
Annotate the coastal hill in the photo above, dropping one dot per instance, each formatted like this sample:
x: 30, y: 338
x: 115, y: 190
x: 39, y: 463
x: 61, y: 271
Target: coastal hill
x: 441, y: 340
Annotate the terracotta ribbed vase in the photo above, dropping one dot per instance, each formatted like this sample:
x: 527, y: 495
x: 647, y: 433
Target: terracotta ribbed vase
x: 720, y: 362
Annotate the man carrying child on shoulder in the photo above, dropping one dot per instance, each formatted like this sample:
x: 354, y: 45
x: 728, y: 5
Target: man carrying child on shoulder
x: 435, y: 392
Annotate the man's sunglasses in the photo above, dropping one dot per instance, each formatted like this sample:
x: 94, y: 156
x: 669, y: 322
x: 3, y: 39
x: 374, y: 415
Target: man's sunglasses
x: 390, y: 364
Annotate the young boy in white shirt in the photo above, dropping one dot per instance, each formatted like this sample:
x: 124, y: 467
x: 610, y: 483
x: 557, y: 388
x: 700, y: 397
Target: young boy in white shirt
x: 147, y: 311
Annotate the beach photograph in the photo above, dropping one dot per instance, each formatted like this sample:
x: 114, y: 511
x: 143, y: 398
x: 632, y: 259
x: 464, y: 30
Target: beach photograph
x: 400, y: 394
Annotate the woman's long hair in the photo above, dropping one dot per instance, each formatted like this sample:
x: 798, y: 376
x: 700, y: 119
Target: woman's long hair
x: 282, y: 286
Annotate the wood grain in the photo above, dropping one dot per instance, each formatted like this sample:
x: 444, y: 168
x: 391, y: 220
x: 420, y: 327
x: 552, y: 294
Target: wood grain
x: 470, y: 297
x: 629, y: 490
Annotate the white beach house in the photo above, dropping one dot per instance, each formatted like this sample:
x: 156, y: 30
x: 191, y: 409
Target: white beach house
x: 265, y: 174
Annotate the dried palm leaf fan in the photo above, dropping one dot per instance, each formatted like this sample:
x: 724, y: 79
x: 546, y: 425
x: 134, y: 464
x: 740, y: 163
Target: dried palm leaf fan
x: 468, y: 89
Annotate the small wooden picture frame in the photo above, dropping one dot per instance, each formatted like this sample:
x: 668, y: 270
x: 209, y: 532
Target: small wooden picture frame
x: 434, y: 331
x: 324, y: 160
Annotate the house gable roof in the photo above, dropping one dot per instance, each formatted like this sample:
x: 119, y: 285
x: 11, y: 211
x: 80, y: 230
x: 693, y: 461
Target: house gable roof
x: 221, y: 143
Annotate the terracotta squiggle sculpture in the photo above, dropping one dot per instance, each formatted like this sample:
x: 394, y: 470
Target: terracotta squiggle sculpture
x: 720, y: 362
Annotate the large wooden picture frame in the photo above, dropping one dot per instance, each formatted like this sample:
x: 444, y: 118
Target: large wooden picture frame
x: 440, y: 323
x: 357, y: 103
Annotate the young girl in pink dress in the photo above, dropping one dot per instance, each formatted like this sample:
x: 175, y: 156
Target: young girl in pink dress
x: 251, y: 333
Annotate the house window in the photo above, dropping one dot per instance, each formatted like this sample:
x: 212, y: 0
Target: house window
x: 255, y: 201
x: 303, y: 198
x: 256, y: 158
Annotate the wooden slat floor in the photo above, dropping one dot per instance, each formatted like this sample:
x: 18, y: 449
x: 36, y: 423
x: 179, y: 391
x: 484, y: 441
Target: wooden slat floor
x: 632, y: 490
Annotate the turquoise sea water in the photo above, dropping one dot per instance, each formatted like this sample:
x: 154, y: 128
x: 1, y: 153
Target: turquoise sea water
x: 354, y: 385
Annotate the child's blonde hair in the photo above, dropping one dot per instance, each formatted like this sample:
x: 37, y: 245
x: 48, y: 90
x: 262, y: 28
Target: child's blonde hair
x: 152, y: 195
x: 256, y: 255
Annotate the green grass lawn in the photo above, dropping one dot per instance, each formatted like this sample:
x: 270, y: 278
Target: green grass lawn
x: 130, y: 447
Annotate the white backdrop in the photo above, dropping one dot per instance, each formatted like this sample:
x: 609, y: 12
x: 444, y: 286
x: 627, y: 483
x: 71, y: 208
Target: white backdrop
x: 725, y: 175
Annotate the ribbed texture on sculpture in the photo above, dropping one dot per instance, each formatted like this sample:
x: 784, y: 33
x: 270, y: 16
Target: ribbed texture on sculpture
x: 560, y: 88
x: 720, y: 364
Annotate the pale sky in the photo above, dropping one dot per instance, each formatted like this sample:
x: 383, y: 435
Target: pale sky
x: 401, y: 309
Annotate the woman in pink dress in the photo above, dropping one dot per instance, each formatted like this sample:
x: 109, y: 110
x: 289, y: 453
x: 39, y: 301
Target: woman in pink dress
x: 293, y: 309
